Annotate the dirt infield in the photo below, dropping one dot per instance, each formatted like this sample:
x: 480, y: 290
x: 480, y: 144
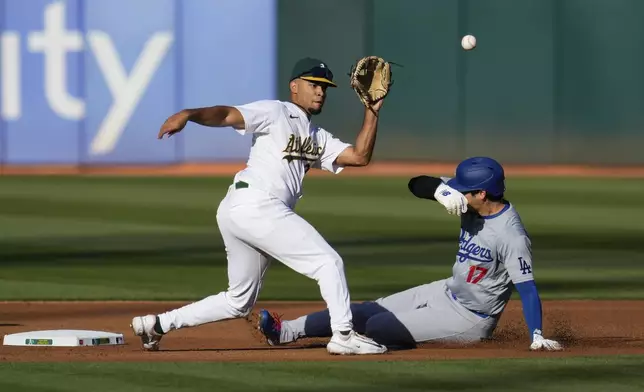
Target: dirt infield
x: 585, y: 328
x: 375, y: 169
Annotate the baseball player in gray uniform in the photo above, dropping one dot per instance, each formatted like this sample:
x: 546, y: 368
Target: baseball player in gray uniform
x: 493, y: 254
x: 256, y: 218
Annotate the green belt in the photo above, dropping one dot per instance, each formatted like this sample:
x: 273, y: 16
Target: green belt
x: 241, y: 184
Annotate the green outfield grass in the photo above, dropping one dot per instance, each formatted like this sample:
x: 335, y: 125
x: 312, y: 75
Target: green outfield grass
x: 571, y: 375
x: 130, y: 238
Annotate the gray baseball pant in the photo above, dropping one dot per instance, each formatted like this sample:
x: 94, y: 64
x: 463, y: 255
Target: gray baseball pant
x: 420, y: 314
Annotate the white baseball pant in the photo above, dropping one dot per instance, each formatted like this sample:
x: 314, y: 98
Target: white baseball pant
x: 255, y: 226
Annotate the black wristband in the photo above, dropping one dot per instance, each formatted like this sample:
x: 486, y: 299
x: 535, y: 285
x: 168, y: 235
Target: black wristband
x: 424, y: 187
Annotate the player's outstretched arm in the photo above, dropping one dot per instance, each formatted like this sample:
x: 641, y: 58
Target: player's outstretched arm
x: 531, y: 305
x: 517, y: 257
x: 533, y: 317
x: 213, y: 116
x: 360, y: 154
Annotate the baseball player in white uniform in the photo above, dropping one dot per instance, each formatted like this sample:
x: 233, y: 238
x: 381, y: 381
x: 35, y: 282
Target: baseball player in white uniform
x: 494, y: 253
x: 256, y: 218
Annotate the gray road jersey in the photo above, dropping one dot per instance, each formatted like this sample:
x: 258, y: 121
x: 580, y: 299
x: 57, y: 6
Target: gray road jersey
x: 493, y: 252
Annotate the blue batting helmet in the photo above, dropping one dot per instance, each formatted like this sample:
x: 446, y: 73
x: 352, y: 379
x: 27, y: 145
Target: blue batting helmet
x: 479, y: 174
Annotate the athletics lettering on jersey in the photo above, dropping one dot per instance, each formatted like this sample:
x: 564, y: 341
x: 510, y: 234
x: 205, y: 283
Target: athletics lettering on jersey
x: 285, y: 146
x: 470, y: 250
x: 305, y: 149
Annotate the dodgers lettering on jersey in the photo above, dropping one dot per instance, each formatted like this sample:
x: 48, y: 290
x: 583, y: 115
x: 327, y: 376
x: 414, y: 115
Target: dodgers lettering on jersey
x: 493, y: 252
x: 285, y: 146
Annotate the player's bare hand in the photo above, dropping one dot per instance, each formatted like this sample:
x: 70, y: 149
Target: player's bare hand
x: 376, y: 106
x: 454, y: 201
x: 174, y: 124
x: 539, y: 343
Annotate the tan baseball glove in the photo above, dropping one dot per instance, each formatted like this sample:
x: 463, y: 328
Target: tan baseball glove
x: 371, y: 79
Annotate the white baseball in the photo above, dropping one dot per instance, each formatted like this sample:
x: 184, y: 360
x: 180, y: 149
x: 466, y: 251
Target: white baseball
x: 468, y: 42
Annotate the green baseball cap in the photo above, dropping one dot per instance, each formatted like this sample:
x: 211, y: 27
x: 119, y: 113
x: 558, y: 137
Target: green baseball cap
x: 314, y: 70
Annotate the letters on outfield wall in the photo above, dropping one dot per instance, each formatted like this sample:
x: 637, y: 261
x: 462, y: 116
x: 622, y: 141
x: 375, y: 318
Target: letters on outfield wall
x: 92, y: 81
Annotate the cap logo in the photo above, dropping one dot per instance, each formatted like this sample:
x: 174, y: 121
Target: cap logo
x: 322, y: 65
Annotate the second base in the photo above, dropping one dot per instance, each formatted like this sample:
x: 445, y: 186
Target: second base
x: 64, y: 338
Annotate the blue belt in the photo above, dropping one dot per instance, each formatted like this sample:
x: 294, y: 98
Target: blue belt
x: 473, y: 311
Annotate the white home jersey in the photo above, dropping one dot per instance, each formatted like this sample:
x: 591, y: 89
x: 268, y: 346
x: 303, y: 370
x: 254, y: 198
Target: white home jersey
x: 285, y: 146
